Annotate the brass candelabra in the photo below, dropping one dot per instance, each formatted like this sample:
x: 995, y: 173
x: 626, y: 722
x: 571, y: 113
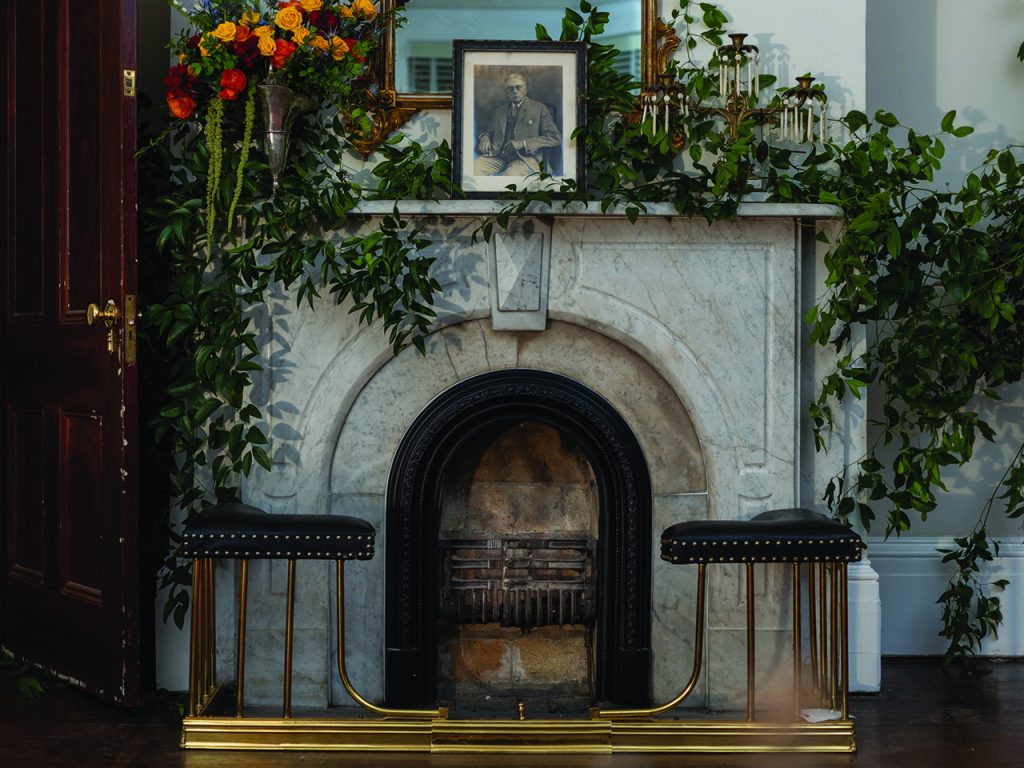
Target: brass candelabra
x: 799, y: 114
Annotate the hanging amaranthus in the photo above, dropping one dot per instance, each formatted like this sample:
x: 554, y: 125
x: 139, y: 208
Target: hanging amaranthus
x: 243, y: 157
x: 214, y: 136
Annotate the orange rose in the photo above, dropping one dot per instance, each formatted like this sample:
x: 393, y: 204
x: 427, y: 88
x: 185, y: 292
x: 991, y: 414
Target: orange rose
x: 267, y: 45
x: 242, y: 33
x: 365, y: 8
x: 319, y: 43
x: 338, y: 48
x: 345, y: 12
x: 232, y: 83
x: 289, y: 19
x: 311, y: 5
x: 300, y: 34
x: 181, y: 106
x: 284, y: 50
x: 225, y: 32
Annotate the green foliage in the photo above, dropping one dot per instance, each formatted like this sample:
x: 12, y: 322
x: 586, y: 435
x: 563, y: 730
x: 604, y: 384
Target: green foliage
x: 936, y: 280
x: 26, y: 680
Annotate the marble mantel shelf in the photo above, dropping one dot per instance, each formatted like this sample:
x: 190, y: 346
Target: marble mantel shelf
x: 457, y: 208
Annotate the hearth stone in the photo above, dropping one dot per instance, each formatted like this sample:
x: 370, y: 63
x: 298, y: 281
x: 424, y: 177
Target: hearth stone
x: 692, y: 332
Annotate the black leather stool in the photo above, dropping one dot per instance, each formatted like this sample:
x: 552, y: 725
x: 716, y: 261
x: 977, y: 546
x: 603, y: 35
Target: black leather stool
x: 795, y: 536
x: 241, y: 532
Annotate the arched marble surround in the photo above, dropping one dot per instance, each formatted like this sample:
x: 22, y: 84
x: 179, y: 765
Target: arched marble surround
x: 691, y: 331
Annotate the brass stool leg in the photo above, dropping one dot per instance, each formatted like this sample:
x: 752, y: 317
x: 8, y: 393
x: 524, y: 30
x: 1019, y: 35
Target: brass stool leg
x: 844, y: 618
x: 289, y: 629
x: 193, y: 642
x: 698, y: 652
x: 240, y: 655
x: 822, y: 635
x: 797, y: 654
x: 834, y: 627
x: 751, y: 650
x: 211, y: 629
x: 812, y: 625
x: 440, y: 712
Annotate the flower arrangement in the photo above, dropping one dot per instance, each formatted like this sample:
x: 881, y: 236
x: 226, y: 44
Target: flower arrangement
x: 318, y: 48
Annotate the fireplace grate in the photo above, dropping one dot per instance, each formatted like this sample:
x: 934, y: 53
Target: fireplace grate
x: 518, y: 582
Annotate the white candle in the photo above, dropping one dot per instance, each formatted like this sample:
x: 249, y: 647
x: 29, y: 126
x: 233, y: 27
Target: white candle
x: 810, y: 123
x: 750, y: 82
x: 668, y: 103
x: 824, y: 123
x: 757, y: 74
x: 721, y: 79
x: 782, y: 123
x: 682, y: 104
x: 644, y: 101
x: 736, y: 84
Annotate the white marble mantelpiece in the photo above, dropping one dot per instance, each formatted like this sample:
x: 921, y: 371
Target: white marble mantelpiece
x: 753, y: 208
x: 692, y: 331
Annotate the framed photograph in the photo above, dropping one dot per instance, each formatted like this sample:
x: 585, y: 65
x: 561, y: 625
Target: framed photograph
x: 515, y: 106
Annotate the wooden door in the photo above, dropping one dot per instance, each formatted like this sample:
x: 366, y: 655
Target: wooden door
x: 70, y: 583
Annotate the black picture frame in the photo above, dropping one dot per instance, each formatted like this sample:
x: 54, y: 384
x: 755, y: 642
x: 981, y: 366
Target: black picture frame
x: 520, y: 146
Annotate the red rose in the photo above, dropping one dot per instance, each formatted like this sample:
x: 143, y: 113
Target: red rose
x: 248, y: 51
x: 325, y: 21
x: 181, y: 106
x: 283, y: 51
x: 351, y: 43
x: 179, y: 81
x: 232, y: 83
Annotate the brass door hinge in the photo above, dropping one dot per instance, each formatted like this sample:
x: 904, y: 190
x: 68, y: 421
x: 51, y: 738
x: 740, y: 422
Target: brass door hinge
x: 129, y: 82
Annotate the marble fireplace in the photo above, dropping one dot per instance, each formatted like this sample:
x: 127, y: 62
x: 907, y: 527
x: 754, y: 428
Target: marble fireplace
x: 589, y: 382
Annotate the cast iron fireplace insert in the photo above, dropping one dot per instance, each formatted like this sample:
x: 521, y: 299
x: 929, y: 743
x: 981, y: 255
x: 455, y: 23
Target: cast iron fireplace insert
x: 495, y: 401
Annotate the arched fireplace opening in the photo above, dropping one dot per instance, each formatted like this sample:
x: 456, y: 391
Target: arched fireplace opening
x: 454, y: 564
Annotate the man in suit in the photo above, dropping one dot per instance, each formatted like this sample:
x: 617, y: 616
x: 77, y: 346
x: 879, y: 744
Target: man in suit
x: 519, y: 130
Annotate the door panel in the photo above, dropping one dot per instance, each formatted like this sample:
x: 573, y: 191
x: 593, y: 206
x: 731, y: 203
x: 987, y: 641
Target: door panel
x: 27, y: 552
x: 71, y: 576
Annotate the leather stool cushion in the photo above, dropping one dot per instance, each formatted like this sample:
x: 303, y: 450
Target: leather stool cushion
x: 241, y: 531
x: 780, y: 535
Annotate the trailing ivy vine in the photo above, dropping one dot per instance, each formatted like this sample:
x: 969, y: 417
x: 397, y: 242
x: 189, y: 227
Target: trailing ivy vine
x: 933, y: 277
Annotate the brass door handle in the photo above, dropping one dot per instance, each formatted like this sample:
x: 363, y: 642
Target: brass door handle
x: 109, y: 313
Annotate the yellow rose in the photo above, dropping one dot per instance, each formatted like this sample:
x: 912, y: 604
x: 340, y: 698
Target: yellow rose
x: 311, y: 5
x: 338, y: 48
x: 319, y: 43
x: 263, y: 31
x: 203, y: 50
x: 267, y: 45
x: 225, y: 32
x: 365, y: 8
x: 289, y: 18
x: 250, y: 19
x: 300, y: 34
x: 345, y: 12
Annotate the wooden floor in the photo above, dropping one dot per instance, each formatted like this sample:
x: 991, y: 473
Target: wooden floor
x: 925, y: 717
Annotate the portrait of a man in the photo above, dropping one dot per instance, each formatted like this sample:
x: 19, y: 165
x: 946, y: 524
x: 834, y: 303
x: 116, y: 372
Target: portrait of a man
x: 514, y: 131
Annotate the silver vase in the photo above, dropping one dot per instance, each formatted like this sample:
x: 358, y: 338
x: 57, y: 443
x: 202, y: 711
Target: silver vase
x: 278, y: 106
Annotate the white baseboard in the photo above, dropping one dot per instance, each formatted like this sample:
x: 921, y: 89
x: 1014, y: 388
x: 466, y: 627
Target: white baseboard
x: 911, y: 578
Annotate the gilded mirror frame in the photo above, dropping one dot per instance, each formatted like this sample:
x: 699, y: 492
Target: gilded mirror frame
x: 390, y: 110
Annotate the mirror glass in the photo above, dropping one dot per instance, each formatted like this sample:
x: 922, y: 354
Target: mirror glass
x: 423, y: 46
